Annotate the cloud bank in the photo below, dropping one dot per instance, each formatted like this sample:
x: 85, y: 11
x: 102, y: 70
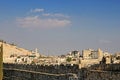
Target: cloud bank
x: 38, y: 22
x: 55, y: 15
x: 43, y: 20
x: 36, y: 10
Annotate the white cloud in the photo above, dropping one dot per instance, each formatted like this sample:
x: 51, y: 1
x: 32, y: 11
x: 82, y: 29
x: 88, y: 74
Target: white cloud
x: 43, y: 20
x: 56, y: 15
x: 37, y: 10
x: 46, y: 14
x: 38, y: 22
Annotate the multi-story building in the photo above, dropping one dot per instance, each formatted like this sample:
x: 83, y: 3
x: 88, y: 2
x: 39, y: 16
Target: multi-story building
x: 90, y: 57
x: 92, y: 54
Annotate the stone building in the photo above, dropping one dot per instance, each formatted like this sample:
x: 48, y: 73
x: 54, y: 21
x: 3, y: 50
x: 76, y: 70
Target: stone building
x: 92, y: 54
x: 73, y: 56
x: 90, y: 57
x: 10, y: 52
x: 108, y: 57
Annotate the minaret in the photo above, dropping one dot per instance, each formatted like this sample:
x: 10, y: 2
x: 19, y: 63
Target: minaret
x: 1, y: 62
x: 36, y: 51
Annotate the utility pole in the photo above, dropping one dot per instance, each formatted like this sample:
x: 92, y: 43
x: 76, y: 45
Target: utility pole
x: 1, y: 62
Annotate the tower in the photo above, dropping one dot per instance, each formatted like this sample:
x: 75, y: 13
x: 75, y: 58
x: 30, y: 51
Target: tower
x: 100, y: 54
x: 36, y: 50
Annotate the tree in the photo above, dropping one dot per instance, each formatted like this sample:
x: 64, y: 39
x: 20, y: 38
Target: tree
x: 68, y: 59
x: 104, y: 60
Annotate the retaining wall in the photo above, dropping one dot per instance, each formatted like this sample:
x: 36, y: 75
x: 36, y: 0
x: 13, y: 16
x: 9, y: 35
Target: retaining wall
x: 39, y: 72
x: 101, y: 72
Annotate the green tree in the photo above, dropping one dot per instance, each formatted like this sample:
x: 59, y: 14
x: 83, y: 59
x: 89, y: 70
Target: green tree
x: 68, y: 59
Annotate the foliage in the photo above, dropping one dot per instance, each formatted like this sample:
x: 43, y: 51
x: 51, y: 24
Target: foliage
x: 68, y: 59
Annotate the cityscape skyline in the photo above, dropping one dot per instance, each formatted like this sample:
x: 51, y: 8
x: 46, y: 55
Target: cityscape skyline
x: 58, y: 26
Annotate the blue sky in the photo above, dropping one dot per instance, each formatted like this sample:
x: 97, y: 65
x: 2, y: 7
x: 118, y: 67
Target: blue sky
x: 58, y: 26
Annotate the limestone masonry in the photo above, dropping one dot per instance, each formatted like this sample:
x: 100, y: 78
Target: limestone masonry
x: 21, y: 64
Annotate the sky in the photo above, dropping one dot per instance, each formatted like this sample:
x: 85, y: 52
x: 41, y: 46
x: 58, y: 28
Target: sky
x: 57, y: 27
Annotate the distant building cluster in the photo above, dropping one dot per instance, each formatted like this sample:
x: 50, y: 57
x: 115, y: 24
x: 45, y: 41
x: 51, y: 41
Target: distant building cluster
x: 88, y: 57
x: 14, y: 54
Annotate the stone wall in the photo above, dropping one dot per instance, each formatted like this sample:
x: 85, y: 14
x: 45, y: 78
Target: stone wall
x: 102, y: 75
x: 101, y: 72
x: 31, y: 75
x: 105, y: 67
x: 44, y: 68
x: 99, y: 75
x: 62, y: 72
x: 39, y: 72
